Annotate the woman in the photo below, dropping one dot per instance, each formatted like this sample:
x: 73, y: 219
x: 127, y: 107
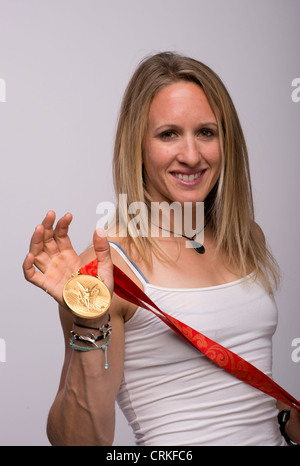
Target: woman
x: 178, y: 140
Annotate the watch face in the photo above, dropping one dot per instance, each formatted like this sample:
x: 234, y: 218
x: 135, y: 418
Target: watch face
x: 86, y: 296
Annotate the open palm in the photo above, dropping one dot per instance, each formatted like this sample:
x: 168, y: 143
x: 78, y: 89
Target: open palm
x: 51, y: 259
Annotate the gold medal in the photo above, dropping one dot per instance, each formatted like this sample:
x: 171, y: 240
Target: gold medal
x: 87, y: 296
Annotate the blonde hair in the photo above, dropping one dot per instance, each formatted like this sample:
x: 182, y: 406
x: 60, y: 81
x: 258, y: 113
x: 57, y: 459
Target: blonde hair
x: 229, y: 207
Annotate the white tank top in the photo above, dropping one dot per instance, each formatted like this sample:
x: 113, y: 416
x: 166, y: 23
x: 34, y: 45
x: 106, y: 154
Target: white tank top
x: 171, y: 394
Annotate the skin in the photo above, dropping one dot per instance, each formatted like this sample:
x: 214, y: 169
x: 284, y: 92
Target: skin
x: 181, y: 138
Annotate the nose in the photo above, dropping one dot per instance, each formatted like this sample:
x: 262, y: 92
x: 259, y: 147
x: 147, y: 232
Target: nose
x: 189, y: 152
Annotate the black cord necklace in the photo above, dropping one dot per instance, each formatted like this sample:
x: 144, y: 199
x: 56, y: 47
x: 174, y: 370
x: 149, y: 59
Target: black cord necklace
x: 197, y: 246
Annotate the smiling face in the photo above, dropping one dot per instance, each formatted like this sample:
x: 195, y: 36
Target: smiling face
x: 182, y: 156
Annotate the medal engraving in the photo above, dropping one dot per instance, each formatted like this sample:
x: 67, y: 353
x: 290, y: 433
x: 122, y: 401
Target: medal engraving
x: 86, y: 296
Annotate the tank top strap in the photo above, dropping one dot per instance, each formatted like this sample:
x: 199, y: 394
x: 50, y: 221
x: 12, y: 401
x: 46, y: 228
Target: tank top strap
x: 138, y: 273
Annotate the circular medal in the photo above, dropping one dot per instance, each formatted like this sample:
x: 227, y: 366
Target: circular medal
x: 86, y: 296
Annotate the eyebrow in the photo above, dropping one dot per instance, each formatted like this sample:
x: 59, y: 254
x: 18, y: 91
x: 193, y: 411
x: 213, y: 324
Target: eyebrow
x: 172, y: 125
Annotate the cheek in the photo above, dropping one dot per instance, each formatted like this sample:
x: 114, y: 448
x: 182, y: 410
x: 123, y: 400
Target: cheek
x: 214, y: 159
x: 214, y: 155
x: 155, y: 158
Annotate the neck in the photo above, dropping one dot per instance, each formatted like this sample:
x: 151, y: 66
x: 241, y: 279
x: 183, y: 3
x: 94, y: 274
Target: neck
x: 187, y: 220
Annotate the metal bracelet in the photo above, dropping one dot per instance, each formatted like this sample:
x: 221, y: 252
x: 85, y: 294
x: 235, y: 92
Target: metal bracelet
x: 90, y: 337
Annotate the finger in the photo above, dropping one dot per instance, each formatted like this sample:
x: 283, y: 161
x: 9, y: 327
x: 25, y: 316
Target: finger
x: 37, y: 241
x: 105, y: 264
x: 61, y: 232
x: 30, y: 273
x: 41, y: 258
x: 50, y: 245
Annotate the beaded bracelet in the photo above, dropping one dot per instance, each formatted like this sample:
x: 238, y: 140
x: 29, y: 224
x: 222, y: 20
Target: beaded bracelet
x: 85, y: 348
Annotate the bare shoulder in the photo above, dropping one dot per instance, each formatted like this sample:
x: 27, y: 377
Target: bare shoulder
x: 89, y: 255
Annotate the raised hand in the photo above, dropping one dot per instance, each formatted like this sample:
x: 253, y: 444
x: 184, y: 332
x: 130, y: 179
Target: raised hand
x: 51, y: 259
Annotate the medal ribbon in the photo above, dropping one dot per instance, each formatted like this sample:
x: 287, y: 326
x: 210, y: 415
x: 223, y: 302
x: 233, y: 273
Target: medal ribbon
x: 225, y: 358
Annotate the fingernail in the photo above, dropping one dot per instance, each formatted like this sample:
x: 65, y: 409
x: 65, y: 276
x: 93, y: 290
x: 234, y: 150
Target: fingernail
x: 101, y: 233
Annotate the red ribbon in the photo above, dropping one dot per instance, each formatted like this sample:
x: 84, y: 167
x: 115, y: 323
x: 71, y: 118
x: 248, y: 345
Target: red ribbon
x: 226, y: 359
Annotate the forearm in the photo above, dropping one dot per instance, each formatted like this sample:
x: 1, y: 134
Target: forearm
x: 292, y: 427
x: 84, y: 411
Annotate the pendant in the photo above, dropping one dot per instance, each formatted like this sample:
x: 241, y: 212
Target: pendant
x: 198, y: 247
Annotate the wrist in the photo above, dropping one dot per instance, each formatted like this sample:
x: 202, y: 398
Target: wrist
x: 91, y: 338
x: 285, y: 427
x: 92, y: 323
x: 90, y: 333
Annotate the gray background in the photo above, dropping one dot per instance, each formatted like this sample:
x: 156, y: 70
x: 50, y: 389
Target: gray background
x: 66, y: 64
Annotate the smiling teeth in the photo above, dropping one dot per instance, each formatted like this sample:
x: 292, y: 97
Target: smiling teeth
x: 192, y: 177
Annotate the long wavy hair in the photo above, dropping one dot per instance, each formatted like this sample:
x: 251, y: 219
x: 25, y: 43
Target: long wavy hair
x: 229, y: 207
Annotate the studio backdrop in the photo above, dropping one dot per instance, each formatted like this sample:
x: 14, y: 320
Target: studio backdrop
x: 64, y: 65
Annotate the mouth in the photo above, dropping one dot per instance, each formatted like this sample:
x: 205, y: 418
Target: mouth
x: 189, y: 179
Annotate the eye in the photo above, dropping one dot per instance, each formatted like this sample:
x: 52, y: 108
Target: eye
x: 168, y: 135
x: 207, y: 132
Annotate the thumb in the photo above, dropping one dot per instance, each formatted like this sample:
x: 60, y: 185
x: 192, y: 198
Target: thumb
x: 105, y: 264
